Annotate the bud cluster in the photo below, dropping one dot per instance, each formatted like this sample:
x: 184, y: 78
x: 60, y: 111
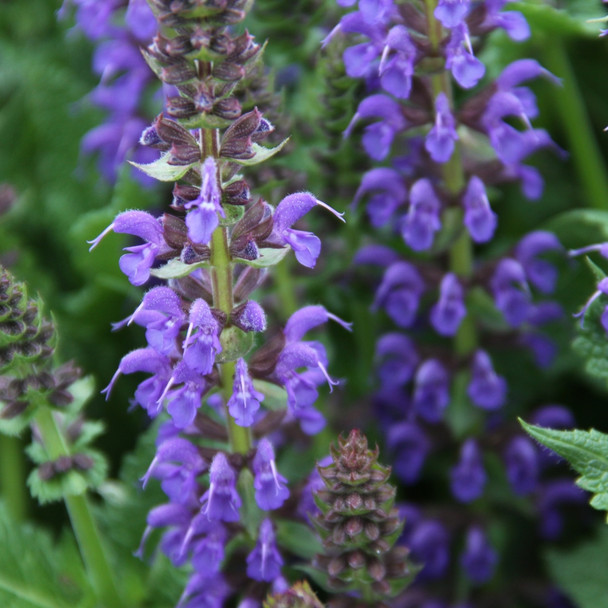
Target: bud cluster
x: 359, y: 524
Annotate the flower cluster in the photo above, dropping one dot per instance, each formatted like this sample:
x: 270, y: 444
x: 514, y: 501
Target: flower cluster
x: 119, y: 28
x: 214, y: 247
x: 445, y: 138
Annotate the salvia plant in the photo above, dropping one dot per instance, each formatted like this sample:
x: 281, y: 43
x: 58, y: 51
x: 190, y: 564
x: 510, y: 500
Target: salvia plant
x: 430, y: 164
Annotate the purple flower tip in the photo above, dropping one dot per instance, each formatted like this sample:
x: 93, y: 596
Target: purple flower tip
x: 449, y: 311
x: 479, y: 558
x: 264, y: 562
x: 431, y: 391
x: 270, y: 486
x: 468, y: 477
x: 479, y: 218
x: 487, y: 389
x: 422, y: 220
x: 221, y: 501
x: 245, y: 400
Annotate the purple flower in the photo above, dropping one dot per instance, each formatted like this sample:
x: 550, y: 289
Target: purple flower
x: 521, y: 460
x: 511, y: 292
x: 249, y: 317
x: 378, y: 137
x: 204, y: 591
x: 270, y: 489
x: 305, y: 245
x: 431, y: 391
x: 410, y: 447
x: 479, y: 558
x: 162, y: 315
x: 465, y: 67
x: 486, y: 389
x: 539, y: 272
x: 440, y: 140
x: 390, y: 194
x: 264, y: 562
x: 452, y: 12
x: 149, y: 391
x: 178, y: 481
x: 202, y: 342
x: 397, y: 360
x: 479, y: 218
x: 422, y: 220
x: 429, y: 543
x: 468, y: 477
x: 553, y: 495
x: 183, y: 402
x: 245, y: 400
x: 137, y: 263
x: 399, y: 293
x: 202, y: 217
x: 208, y: 552
x: 396, y: 70
x: 514, y: 23
x: 447, y: 314
x: 221, y: 501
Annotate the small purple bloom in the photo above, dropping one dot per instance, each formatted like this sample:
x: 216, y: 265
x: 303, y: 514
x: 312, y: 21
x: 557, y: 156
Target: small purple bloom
x: 396, y: 72
x: 270, y: 489
x: 399, y: 293
x: 447, y: 314
x: 137, y: 263
x: 452, y: 12
x: 245, y: 400
x: 389, y: 194
x: 410, y: 447
x: 202, y: 342
x: 429, y: 543
x: 183, y: 402
x: 602, y: 289
x: 397, y: 358
x: 511, y: 291
x: 431, y: 391
x: 208, y: 552
x: 204, y: 591
x: 479, y: 558
x: 551, y: 496
x: 521, y: 460
x: 540, y: 273
x: 479, y: 218
x: 440, y: 140
x: 249, y: 317
x: 305, y: 245
x: 514, y: 23
x: 468, y: 477
x: 422, y: 220
x: 486, y: 389
x: 264, y: 562
x: 221, y: 501
x: 378, y: 137
x: 202, y: 217
x: 465, y: 67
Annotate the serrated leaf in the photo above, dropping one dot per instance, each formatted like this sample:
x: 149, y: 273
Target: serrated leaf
x: 581, y: 571
x: 587, y: 453
x: 35, y: 572
x: 268, y: 257
x: 176, y: 269
x: 261, y: 154
x: 298, y: 538
x: 161, y: 170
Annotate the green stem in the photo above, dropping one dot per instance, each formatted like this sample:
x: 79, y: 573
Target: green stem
x: 581, y: 139
x: 81, y: 516
x: 283, y: 279
x: 221, y: 276
x: 12, y: 477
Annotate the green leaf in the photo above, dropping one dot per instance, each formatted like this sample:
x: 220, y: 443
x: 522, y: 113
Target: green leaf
x: 580, y: 227
x: 275, y: 397
x: 298, y: 538
x: 261, y: 154
x: 545, y: 18
x: 592, y: 342
x: 581, y: 571
x: 268, y: 257
x: 586, y: 451
x: 37, y: 573
x: 162, y: 170
x: 176, y: 269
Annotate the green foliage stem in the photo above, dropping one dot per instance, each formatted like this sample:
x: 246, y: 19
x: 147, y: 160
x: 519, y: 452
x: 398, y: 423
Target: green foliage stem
x: 12, y: 477
x: 81, y: 516
x: 581, y: 140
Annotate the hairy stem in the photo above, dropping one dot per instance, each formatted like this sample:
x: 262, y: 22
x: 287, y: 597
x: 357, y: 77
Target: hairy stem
x: 81, y: 517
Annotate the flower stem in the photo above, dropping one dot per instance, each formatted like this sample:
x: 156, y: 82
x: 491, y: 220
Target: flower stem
x: 81, y: 517
x: 12, y: 477
x: 585, y: 151
x: 221, y: 276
